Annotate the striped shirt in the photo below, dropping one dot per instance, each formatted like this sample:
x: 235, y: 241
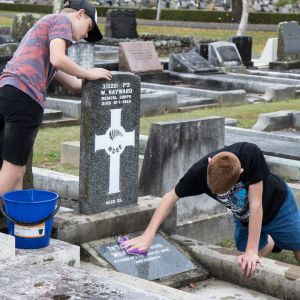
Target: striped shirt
x: 30, y: 69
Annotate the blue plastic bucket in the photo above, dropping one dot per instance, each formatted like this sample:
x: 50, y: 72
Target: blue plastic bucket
x: 29, y: 216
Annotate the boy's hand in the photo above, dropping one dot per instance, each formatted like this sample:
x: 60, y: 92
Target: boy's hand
x: 248, y: 261
x: 142, y: 242
x: 98, y: 73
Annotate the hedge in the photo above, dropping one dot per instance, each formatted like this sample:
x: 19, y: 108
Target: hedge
x: 169, y: 14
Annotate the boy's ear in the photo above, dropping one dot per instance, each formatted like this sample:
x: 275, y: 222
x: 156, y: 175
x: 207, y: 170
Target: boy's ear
x: 242, y: 170
x: 209, y: 159
x: 81, y: 12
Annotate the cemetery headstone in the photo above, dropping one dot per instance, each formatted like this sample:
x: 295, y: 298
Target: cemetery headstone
x: 225, y: 55
x: 237, y: 10
x: 21, y: 24
x: 203, y: 50
x: 109, y: 143
x: 6, y: 53
x: 172, y: 148
x: 138, y: 57
x: 288, y: 49
x: 83, y: 54
x: 244, y: 46
x: 163, y: 260
x: 190, y: 62
x: 288, y: 41
x: 120, y: 24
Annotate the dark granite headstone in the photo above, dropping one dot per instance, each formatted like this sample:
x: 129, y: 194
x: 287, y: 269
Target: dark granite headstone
x: 237, y: 10
x: 203, y: 50
x: 244, y: 46
x: 190, y: 62
x: 163, y: 260
x: 109, y: 143
x: 139, y: 57
x: 120, y: 24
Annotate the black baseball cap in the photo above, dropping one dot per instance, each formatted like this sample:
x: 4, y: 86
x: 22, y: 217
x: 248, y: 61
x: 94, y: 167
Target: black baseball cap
x: 94, y: 35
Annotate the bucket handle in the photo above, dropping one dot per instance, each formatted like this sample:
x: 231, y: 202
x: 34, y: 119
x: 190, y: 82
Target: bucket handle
x: 29, y: 223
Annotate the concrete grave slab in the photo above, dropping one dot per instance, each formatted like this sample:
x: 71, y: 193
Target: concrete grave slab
x: 273, y: 278
x: 7, y: 247
x: 55, y: 281
x: 190, y: 62
x: 58, y: 251
x: 138, y: 57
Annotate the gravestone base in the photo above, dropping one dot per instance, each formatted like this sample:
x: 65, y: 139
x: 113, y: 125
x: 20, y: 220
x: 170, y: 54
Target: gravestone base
x: 159, y: 265
x: 284, y: 65
x: 75, y: 228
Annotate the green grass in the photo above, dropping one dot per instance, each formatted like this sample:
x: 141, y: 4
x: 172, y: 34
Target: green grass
x: 48, y: 142
x: 284, y: 256
x: 259, y: 38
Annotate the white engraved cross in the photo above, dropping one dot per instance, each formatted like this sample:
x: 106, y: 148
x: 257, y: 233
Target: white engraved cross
x: 114, y: 142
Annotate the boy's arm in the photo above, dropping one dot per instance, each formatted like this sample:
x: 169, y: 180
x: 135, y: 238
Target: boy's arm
x: 144, y: 241
x: 61, y: 61
x: 71, y: 82
x: 250, y: 258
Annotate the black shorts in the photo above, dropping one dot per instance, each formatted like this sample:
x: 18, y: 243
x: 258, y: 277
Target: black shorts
x: 20, y: 119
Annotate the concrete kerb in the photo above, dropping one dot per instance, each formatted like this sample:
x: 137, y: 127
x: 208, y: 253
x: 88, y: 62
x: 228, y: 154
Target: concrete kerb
x: 76, y: 228
x: 146, y: 285
x: 274, y: 278
x: 57, y: 251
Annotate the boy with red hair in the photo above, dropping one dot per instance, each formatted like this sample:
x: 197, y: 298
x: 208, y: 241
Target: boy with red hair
x: 265, y: 213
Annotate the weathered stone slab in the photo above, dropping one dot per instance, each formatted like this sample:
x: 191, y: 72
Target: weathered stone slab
x: 138, y: 57
x: 22, y: 23
x: 57, y: 251
x: 158, y: 264
x: 190, y: 62
x: 288, y: 41
x: 173, y: 147
x: 109, y: 151
x: 271, y: 278
x: 7, y: 246
x: 83, y: 54
x: 274, y: 121
x: 120, y: 24
x: 55, y: 281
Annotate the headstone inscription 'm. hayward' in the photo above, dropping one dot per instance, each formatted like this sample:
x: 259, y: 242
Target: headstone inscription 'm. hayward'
x: 121, y: 24
x: 109, y: 143
x: 138, y: 57
x: 163, y: 260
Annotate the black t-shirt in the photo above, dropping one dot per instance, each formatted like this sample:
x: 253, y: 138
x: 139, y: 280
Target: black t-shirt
x: 194, y: 182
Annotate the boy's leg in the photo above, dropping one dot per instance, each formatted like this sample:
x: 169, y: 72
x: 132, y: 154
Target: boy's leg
x: 297, y: 255
x: 268, y: 248
x: 285, y: 227
x: 11, y: 177
x: 266, y: 244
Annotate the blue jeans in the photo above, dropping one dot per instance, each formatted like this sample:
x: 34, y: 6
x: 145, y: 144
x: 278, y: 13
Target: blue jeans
x: 284, y: 228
